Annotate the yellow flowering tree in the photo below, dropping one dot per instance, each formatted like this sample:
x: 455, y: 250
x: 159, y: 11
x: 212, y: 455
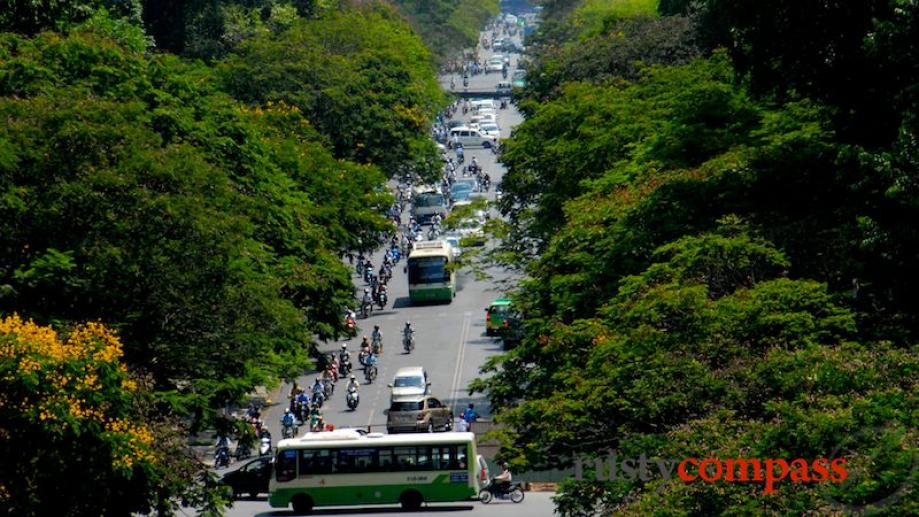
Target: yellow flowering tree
x: 73, y: 438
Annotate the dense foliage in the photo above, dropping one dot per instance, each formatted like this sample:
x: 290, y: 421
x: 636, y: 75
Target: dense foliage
x: 448, y: 26
x: 73, y: 422
x: 361, y: 77
x: 136, y: 190
x: 719, y: 253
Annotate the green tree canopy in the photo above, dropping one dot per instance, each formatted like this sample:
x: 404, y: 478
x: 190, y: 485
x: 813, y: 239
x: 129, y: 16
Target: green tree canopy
x: 208, y: 233
x: 360, y: 76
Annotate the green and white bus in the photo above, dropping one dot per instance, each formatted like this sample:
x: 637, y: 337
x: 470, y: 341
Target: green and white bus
x: 344, y: 467
x: 430, y: 275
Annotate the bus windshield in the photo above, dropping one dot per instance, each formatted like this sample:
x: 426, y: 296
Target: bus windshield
x: 428, y: 270
x: 428, y: 200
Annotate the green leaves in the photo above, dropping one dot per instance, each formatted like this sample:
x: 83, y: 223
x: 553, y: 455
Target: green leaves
x: 359, y: 76
x: 206, y: 232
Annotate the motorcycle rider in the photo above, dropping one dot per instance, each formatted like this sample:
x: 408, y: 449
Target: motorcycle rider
x: 288, y: 421
x: 344, y: 356
x: 503, y: 480
x: 318, y: 387
x: 377, y: 340
x: 408, y: 332
x: 353, y: 384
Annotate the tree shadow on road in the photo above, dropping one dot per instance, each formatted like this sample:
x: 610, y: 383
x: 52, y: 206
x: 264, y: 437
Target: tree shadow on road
x: 396, y: 510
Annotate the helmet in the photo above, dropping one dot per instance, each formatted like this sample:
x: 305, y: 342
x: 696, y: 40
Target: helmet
x: 344, y: 346
x: 408, y: 323
x: 287, y: 410
x: 377, y: 327
x: 352, y: 376
x: 366, y: 290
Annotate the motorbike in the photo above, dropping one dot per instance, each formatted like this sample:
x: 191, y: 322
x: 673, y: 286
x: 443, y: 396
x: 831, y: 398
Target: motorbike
x: 370, y: 373
x: 368, y: 274
x: 243, y: 449
x: 352, y: 398
x: 349, y: 322
x: 222, y: 457
x: 377, y: 345
x: 328, y: 388
x: 366, y: 309
x: 289, y: 431
x: 318, y: 399
x: 264, y: 448
x: 345, y: 367
x: 382, y: 299
x: 493, y: 490
x: 408, y: 343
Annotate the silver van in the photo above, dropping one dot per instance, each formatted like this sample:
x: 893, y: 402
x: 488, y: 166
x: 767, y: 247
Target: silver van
x: 471, y: 137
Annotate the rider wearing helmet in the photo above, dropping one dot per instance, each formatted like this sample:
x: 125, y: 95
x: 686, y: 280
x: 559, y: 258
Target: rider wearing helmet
x: 352, y: 383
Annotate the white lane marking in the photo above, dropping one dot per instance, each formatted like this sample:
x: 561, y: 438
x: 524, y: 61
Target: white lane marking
x: 458, y: 369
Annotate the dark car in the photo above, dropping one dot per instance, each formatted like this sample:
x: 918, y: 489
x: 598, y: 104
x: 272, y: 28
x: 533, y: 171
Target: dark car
x: 252, y: 478
x: 511, y: 332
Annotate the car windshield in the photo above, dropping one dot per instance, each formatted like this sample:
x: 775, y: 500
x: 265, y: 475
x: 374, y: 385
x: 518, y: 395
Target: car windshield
x: 407, y: 382
x: 453, y: 242
x: 406, y: 406
x: 462, y: 195
x: 489, y: 127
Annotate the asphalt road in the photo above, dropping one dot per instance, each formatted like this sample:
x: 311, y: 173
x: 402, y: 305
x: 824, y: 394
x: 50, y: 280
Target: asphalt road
x: 450, y: 344
x: 536, y: 504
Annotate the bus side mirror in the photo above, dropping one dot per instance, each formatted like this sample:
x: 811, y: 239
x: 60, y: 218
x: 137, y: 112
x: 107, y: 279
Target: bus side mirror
x: 389, y: 385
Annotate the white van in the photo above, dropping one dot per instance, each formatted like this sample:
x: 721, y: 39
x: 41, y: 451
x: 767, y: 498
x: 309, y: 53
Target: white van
x: 485, y: 110
x: 480, y: 119
x: 484, y: 103
x: 471, y: 137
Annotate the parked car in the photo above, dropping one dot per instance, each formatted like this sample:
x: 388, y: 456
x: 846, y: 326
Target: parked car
x: 252, y: 478
x: 418, y: 414
x: 410, y: 381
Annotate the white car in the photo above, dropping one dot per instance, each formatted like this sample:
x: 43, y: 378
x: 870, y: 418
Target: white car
x: 481, y: 119
x: 495, y: 64
x: 490, y: 128
x: 453, y: 241
x: 409, y: 382
x: 470, y: 228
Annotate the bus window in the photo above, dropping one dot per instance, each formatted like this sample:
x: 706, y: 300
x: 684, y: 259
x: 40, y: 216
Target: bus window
x: 286, y: 466
x: 386, y: 460
x: 405, y: 458
x: 315, y: 461
x: 461, y: 456
x: 445, y: 457
x: 424, y: 459
x: 428, y: 270
x: 356, y: 461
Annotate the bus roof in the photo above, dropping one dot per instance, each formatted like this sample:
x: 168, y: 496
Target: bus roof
x: 431, y: 249
x: 424, y: 189
x: 351, y: 438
